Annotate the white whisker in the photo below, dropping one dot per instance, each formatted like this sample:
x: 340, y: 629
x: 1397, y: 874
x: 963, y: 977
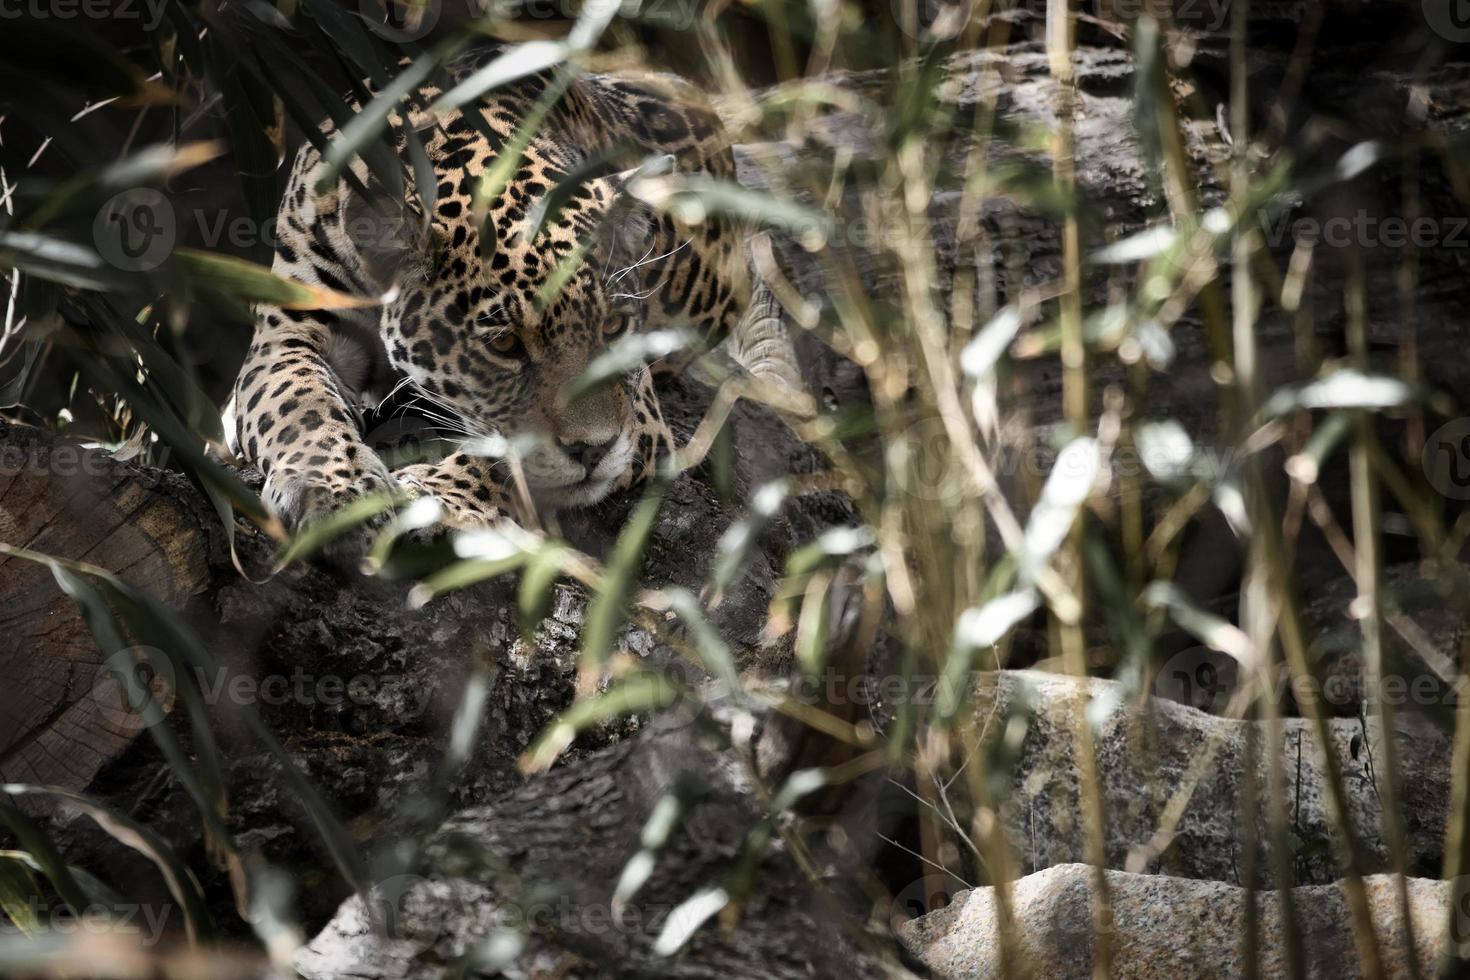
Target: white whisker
x: 442, y: 413
x: 610, y: 275
x: 647, y: 261
x: 639, y: 296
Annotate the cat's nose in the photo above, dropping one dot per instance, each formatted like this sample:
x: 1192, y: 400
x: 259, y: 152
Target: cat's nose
x: 589, y: 454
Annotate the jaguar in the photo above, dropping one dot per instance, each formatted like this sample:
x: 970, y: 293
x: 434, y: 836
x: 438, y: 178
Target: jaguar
x: 493, y: 300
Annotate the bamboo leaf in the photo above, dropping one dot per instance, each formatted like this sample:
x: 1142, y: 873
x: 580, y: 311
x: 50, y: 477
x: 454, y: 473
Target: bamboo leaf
x: 644, y: 691
x: 977, y: 629
x: 622, y: 357
x: 713, y: 652
x: 606, y: 610
x: 694, y: 198
x: 39, y: 848
x: 1067, y: 486
x: 18, y: 893
x: 515, y: 64
x: 313, y: 537
x: 538, y: 579
x: 1343, y: 388
x: 686, y: 919
x: 741, y: 536
x: 130, y: 833
x: 56, y: 260
x: 1209, y: 629
x: 368, y: 125
x: 253, y: 283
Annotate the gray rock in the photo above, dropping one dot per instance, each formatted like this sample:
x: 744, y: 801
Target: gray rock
x: 1146, y: 752
x: 1169, y: 927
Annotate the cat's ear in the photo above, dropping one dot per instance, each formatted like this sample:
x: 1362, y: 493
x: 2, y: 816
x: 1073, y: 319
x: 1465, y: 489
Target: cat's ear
x: 392, y: 240
x: 629, y: 226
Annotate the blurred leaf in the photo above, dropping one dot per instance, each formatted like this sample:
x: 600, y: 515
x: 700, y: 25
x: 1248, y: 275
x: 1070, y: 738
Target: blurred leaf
x: 693, y: 198
x: 253, y: 153
x: 57, y: 260
x: 516, y: 63
x: 253, y: 283
x: 566, y: 267
x: 495, y: 953
x: 546, y: 208
x: 347, y: 33
x: 1209, y: 629
x: 465, y: 724
x: 272, y: 919
x: 134, y: 343
x: 157, y: 630
x: 981, y: 354
x: 837, y: 542
x: 418, y: 514
x: 486, y: 552
x: 1327, y: 435
x: 742, y: 535
x: 686, y: 919
x: 224, y: 489
x: 497, y: 176
x: 1150, y: 81
x: 160, y: 627
x: 977, y: 629
x: 201, y: 774
x: 643, y: 691
x: 622, y: 357
x: 831, y: 545
x: 147, y: 166
x: 1165, y: 449
x: 313, y: 537
x: 916, y: 107
x: 1146, y: 244
x: 667, y: 813
x: 367, y: 127
x: 462, y: 575
x: 130, y: 833
x: 1343, y: 388
x: 813, y: 624
x: 1067, y: 487
x: 714, y: 653
x: 606, y: 610
x: 18, y: 893
x: 40, y: 848
x: 538, y: 581
x: 1006, y: 752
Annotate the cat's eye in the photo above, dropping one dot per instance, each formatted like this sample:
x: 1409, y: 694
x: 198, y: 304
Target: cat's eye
x: 616, y: 325
x: 507, y: 344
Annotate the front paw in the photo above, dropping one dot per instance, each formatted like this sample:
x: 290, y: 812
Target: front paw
x: 467, y: 498
x: 302, y: 496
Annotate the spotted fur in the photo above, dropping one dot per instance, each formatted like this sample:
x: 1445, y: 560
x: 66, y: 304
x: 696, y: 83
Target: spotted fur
x: 468, y: 328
